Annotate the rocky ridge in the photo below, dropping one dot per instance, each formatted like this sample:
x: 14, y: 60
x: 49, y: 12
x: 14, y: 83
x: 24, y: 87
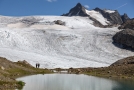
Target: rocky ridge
x: 128, y: 24
x: 112, y: 16
x: 125, y: 17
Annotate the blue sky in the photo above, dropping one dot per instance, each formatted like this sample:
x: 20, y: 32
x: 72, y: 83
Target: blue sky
x: 58, y: 7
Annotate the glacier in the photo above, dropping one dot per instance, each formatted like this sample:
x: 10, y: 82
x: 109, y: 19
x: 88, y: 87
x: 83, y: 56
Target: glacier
x: 79, y: 43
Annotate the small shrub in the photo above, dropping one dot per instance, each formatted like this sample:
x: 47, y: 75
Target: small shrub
x: 21, y: 84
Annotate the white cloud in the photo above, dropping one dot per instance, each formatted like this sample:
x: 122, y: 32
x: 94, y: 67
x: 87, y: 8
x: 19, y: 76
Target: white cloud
x: 86, y: 6
x: 51, y: 0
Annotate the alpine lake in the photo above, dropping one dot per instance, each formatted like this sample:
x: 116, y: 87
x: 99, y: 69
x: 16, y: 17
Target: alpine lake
x: 73, y: 82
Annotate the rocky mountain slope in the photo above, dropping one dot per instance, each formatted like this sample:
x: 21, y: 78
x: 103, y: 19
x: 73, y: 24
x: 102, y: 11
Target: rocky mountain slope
x: 125, y: 38
x: 101, y: 17
x: 129, y: 24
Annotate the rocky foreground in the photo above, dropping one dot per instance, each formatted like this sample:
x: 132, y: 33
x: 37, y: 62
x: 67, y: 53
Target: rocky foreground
x: 11, y: 70
x: 123, y: 68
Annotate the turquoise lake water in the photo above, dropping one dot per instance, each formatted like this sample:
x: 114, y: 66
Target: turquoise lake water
x: 73, y: 82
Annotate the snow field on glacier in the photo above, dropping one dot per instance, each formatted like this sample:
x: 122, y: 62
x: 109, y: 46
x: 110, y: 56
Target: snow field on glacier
x: 77, y: 44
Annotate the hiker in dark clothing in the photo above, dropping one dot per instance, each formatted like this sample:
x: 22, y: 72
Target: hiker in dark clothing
x: 38, y: 65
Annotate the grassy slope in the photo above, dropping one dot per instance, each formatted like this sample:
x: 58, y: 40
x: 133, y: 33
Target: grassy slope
x: 11, y: 70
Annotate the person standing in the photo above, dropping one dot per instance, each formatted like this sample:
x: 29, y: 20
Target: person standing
x: 36, y: 65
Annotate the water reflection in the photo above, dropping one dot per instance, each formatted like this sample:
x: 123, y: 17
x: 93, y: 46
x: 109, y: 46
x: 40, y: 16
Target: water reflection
x: 71, y: 82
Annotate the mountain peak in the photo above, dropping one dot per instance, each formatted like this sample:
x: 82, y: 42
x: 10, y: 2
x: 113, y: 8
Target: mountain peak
x: 125, y: 17
x: 78, y: 10
x: 78, y: 5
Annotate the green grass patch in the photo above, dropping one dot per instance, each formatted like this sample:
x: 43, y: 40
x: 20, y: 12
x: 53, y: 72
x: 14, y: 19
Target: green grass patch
x: 20, y: 84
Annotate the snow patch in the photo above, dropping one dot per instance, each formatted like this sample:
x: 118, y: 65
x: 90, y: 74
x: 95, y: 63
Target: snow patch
x: 109, y: 11
x: 96, y: 15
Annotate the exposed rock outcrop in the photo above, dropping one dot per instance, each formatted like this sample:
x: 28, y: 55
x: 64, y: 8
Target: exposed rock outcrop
x: 129, y: 24
x: 125, y: 38
x: 96, y: 23
x: 30, y: 21
x: 59, y: 22
x: 24, y: 62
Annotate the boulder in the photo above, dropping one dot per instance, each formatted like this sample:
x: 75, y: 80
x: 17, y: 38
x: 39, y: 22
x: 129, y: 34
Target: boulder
x: 25, y: 63
x: 1, y: 67
x: 59, y: 22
